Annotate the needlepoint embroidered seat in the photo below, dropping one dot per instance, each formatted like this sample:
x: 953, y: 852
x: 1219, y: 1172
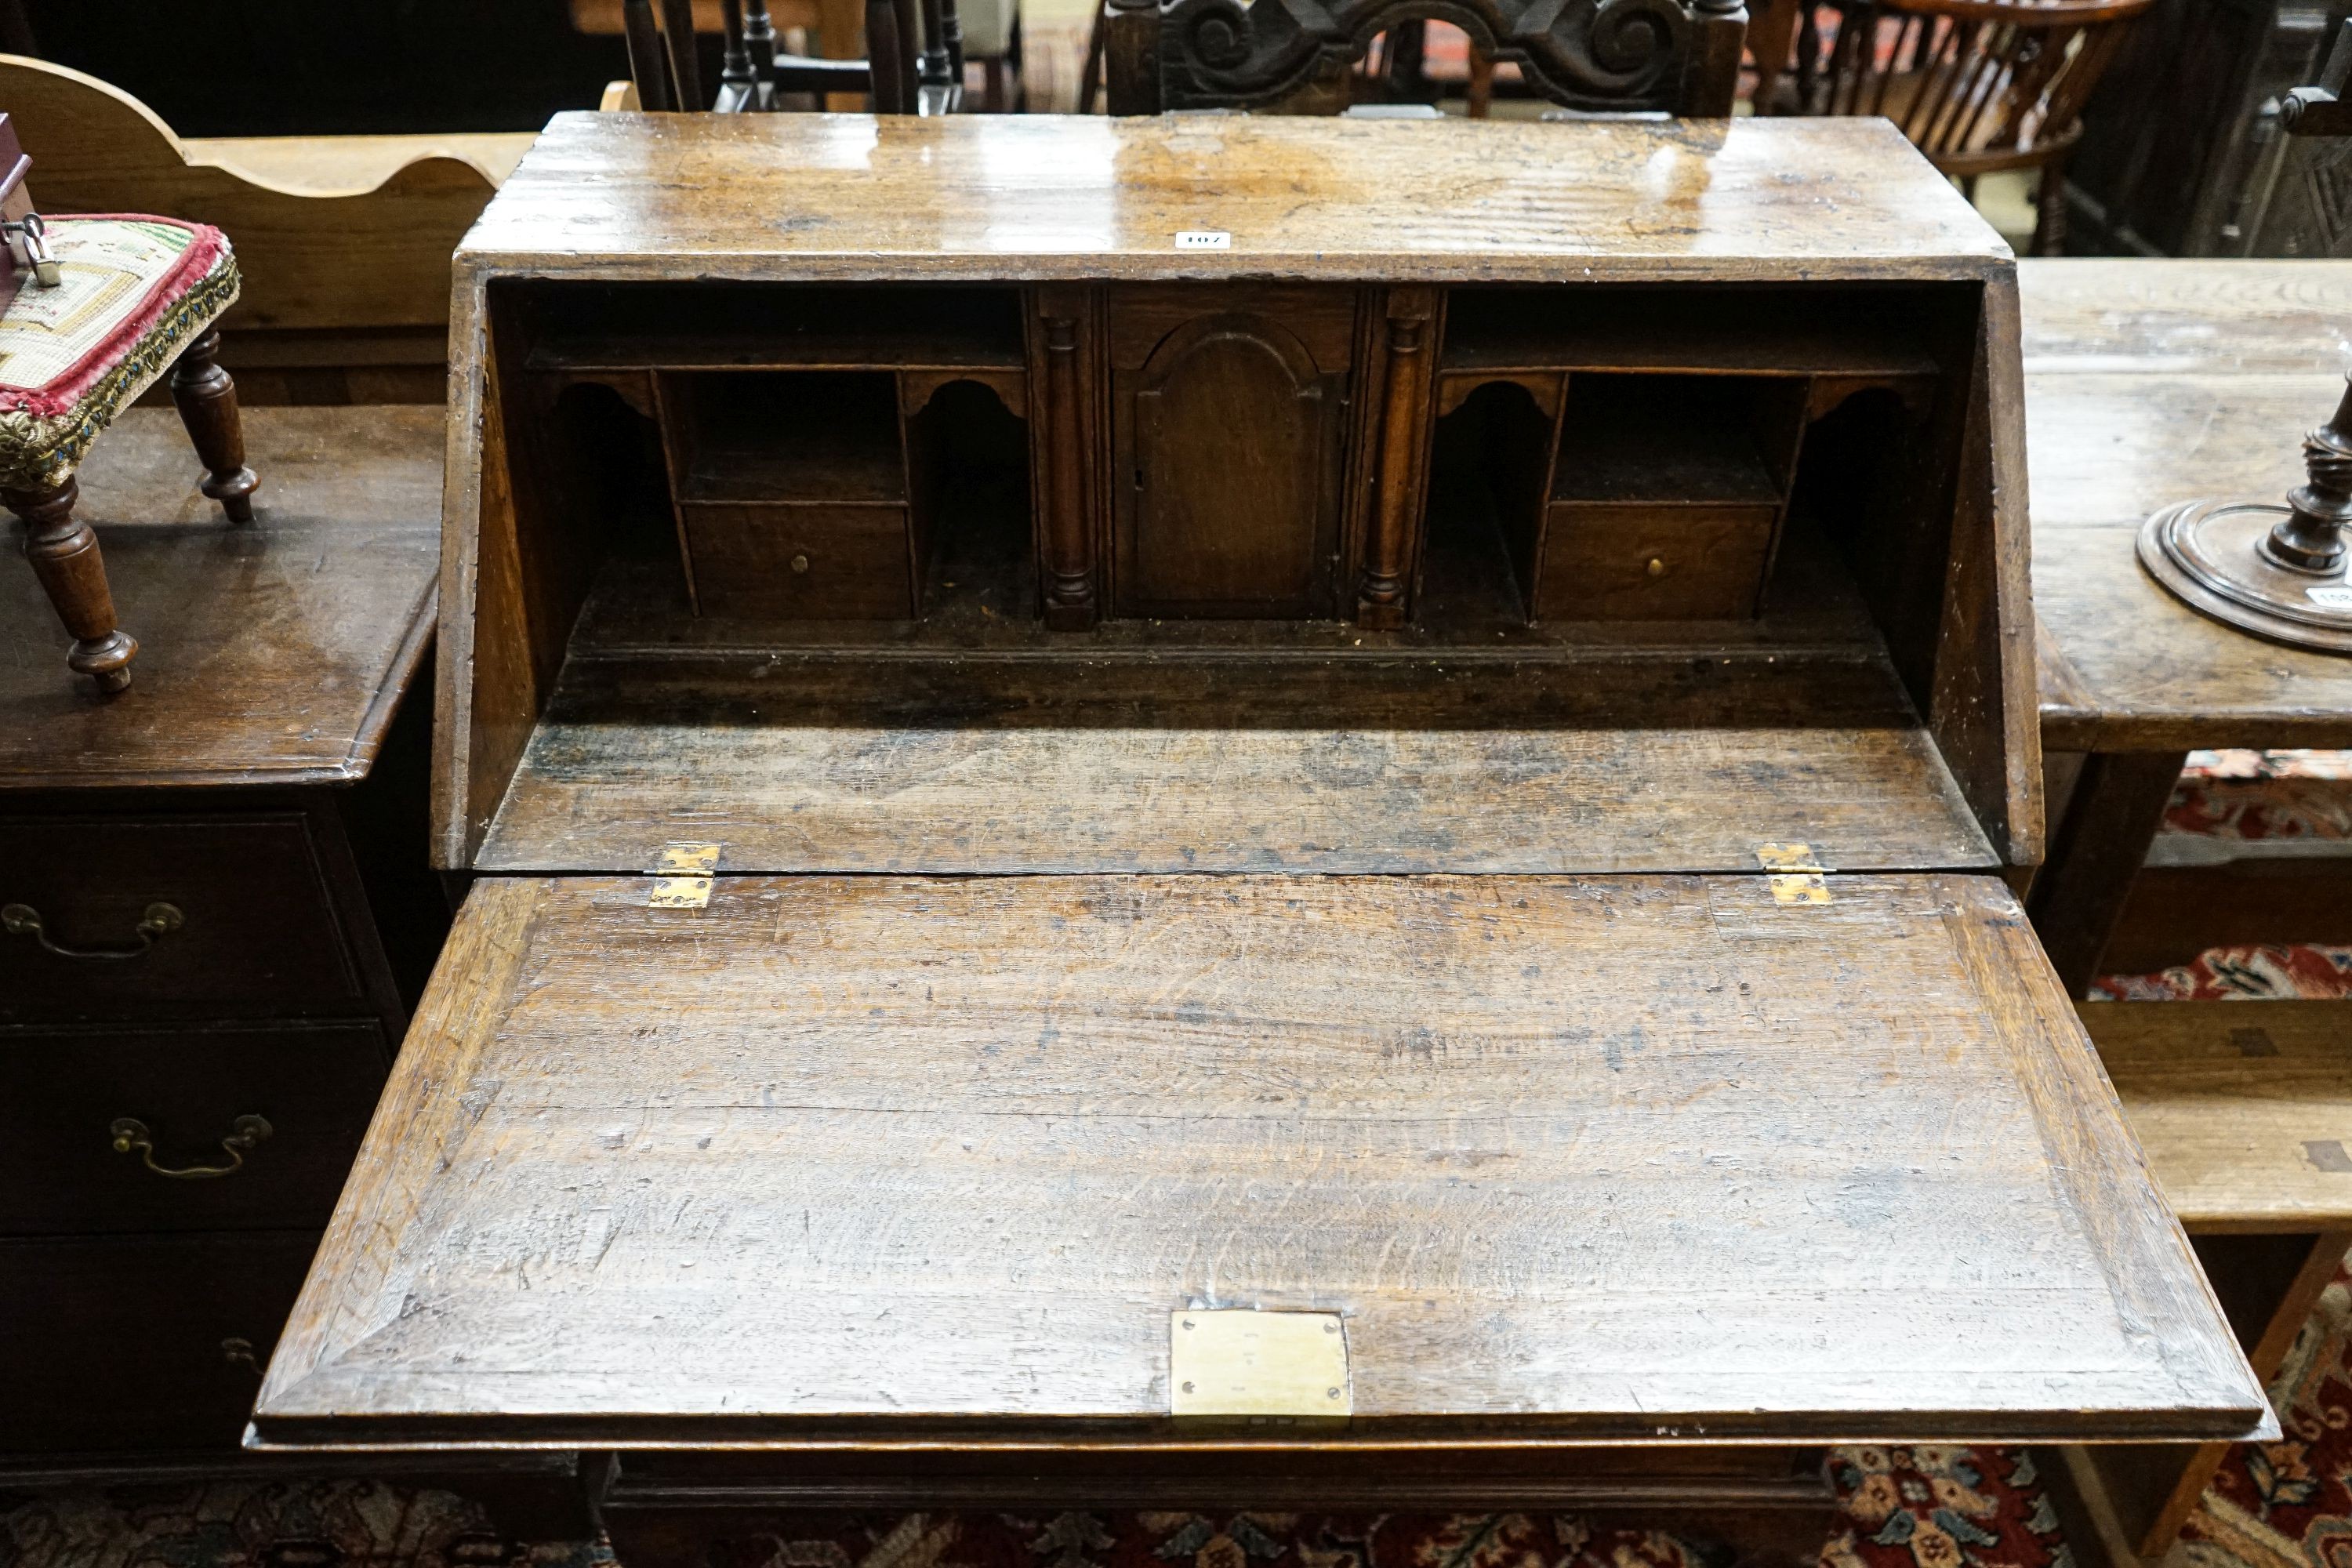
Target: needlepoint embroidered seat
x: 135, y: 296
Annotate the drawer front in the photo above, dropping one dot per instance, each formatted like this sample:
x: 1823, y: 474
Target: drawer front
x: 1642, y: 562
x: 124, y: 1346
x: 70, y: 1163
x: 800, y: 562
x: 109, y: 916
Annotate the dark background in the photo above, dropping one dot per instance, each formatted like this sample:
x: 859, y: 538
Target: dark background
x: 278, y: 67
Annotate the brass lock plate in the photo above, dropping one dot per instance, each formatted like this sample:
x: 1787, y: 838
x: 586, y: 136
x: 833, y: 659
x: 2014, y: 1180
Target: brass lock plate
x: 1241, y: 1363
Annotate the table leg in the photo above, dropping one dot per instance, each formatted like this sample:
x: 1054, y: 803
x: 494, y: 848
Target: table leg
x: 2098, y: 847
x: 2138, y: 1496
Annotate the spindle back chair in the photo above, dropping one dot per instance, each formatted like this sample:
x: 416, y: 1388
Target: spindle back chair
x: 1977, y: 85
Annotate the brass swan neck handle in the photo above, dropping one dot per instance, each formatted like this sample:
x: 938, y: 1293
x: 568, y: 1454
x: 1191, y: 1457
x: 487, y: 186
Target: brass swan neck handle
x: 157, y: 920
x: 130, y: 1136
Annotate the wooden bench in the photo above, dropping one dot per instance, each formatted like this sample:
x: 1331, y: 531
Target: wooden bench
x: 2245, y: 1112
x: 344, y: 241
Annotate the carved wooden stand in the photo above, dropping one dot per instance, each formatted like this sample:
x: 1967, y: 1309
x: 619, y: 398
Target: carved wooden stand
x: 63, y: 551
x: 2275, y: 571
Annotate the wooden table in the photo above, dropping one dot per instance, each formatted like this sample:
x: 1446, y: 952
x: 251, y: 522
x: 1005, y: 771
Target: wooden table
x: 1526, y: 975
x: 2149, y: 383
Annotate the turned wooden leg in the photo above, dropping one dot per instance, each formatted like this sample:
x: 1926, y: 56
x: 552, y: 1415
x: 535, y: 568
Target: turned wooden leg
x: 2049, y: 210
x: 64, y: 554
x: 207, y: 400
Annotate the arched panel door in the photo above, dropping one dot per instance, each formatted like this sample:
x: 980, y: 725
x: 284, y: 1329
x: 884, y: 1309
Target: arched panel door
x: 1228, y: 474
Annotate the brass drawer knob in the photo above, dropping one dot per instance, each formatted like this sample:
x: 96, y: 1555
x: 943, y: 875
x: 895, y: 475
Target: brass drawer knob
x: 158, y: 920
x: 130, y: 1136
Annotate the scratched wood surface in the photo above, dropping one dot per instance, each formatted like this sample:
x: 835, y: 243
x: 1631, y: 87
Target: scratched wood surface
x: 2148, y: 382
x: 2246, y: 1114
x: 908, y: 1157
x: 1007, y: 764
x: 275, y: 652
x: 805, y: 196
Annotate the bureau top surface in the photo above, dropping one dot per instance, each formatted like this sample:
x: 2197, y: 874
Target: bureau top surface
x: 1043, y: 196
x: 272, y: 653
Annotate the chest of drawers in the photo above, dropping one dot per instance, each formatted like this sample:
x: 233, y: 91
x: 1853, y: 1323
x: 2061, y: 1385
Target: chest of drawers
x: 213, y: 919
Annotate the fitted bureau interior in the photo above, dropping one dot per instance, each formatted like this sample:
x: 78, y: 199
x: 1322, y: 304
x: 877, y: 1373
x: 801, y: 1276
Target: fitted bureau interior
x: 837, y: 575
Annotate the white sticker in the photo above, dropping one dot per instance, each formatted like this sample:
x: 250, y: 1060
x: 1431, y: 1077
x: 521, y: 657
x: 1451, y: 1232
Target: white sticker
x: 2336, y: 598
x: 1203, y: 239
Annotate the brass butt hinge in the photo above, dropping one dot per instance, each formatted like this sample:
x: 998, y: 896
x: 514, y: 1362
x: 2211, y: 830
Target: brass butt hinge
x: 1794, y: 874
x: 682, y: 874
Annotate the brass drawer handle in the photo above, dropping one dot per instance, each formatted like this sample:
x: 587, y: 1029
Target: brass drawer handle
x: 130, y: 1134
x: 24, y: 920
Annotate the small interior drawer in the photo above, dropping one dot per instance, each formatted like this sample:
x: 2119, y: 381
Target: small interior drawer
x: 1642, y: 560
x: 67, y: 1095
x: 799, y: 562
x: 100, y: 917
x: 123, y: 1345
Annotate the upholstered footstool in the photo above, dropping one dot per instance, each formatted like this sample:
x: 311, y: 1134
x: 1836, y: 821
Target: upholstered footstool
x: 135, y: 296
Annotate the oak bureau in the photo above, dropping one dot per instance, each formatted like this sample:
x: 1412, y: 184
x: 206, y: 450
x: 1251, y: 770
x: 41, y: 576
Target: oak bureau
x: 1219, y: 809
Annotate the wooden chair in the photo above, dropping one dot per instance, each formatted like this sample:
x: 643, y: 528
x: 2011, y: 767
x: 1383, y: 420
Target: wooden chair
x: 913, y: 61
x: 344, y: 239
x: 1298, y: 56
x: 113, y: 303
x: 1977, y: 85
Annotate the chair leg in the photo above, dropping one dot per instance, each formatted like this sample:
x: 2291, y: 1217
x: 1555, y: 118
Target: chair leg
x: 64, y: 554
x: 2049, y: 210
x: 207, y: 401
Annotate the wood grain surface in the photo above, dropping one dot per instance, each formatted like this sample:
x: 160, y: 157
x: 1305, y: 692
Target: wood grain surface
x: 1234, y: 763
x: 270, y: 652
x: 1036, y: 197
x: 2245, y: 1113
x: 2149, y: 383
x: 902, y: 1159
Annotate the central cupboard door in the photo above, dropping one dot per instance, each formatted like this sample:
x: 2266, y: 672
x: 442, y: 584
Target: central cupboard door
x: 1227, y: 420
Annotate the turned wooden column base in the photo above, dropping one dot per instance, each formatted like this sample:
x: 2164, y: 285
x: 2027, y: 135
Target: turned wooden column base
x: 207, y: 399
x: 65, y: 557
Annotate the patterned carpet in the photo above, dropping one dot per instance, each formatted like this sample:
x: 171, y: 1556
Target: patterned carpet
x: 1907, y: 1507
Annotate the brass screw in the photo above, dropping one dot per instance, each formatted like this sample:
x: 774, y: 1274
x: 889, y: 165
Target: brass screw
x: 800, y: 563
x: 1657, y: 567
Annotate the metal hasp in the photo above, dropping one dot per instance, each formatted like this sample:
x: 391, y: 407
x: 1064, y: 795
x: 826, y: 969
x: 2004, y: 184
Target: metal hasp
x: 2276, y: 571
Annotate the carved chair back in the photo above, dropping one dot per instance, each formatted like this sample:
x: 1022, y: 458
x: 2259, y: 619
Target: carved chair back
x: 1670, y: 57
x: 1977, y: 85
